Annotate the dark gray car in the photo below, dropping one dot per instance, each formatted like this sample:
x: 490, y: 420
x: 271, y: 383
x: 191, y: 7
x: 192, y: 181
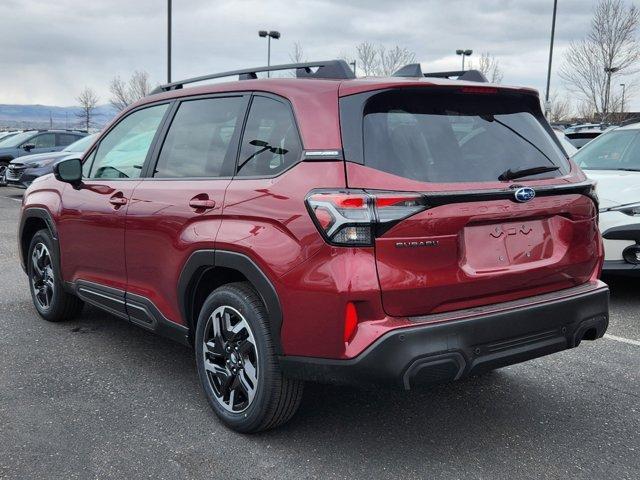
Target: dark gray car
x: 24, y: 170
x: 34, y: 141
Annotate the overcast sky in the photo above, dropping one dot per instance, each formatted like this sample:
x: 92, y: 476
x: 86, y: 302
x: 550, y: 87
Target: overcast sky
x: 51, y: 49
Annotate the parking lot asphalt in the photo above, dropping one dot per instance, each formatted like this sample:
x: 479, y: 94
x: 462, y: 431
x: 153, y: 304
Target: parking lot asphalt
x: 99, y: 398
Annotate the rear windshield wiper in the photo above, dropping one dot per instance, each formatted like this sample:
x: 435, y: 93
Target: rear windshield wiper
x: 525, y: 172
x: 523, y: 138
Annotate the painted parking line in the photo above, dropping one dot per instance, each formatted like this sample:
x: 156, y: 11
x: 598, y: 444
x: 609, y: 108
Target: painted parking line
x: 622, y: 339
x: 11, y: 198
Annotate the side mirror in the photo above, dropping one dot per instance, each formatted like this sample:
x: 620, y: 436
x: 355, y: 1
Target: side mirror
x: 28, y: 147
x: 69, y: 170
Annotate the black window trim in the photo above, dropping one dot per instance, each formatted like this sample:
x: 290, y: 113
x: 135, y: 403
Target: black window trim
x: 97, y: 143
x: 150, y: 166
x: 287, y: 103
x: 151, y: 160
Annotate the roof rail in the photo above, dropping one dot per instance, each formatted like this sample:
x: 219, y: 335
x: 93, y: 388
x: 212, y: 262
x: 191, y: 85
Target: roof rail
x: 630, y: 121
x: 329, y: 69
x: 415, y: 70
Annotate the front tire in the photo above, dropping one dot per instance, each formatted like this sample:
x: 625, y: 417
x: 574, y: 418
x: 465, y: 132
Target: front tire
x: 237, y: 363
x: 3, y: 174
x: 52, y: 302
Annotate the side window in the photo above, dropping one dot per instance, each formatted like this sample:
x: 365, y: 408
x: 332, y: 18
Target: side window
x: 65, y: 139
x: 270, y: 143
x: 44, y: 140
x: 122, y: 152
x: 199, y: 138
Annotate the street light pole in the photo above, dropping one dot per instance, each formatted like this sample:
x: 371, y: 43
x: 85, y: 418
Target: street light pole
x: 609, y: 71
x: 464, y: 53
x: 168, y: 41
x: 624, y: 88
x: 547, y: 105
x: 269, y: 35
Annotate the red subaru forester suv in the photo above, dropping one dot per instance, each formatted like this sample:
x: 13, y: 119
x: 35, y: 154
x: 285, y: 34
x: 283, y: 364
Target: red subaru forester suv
x: 369, y: 231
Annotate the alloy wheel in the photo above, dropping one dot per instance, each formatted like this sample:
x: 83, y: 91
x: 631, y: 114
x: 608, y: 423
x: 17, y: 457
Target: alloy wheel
x: 42, y: 280
x: 230, y: 359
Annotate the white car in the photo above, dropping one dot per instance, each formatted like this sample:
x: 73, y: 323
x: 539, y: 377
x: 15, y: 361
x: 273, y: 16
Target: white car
x: 613, y: 160
x: 564, y: 141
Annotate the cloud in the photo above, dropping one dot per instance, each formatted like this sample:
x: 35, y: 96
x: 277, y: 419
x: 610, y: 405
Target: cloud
x: 51, y: 50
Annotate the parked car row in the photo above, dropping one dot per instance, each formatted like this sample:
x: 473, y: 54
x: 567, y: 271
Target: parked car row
x: 33, y: 142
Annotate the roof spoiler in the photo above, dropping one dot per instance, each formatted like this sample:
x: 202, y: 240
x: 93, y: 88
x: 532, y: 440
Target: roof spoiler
x: 415, y: 70
x: 328, y: 69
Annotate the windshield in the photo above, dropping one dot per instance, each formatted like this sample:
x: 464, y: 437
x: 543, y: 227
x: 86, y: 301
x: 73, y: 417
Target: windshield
x: 616, y: 150
x: 455, y: 137
x: 81, y: 145
x: 16, y: 140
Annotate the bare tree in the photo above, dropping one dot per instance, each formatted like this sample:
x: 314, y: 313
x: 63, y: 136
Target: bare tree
x: 393, y: 59
x: 586, y: 111
x: 367, y: 57
x: 489, y: 65
x: 139, y: 85
x: 88, y: 101
x: 609, y: 50
x: 119, y: 94
x: 124, y: 93
x: 297, y: 54
x: 560, y: 108
x: 377, y: 60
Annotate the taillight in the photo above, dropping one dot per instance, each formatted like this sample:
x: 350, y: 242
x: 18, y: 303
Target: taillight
x: 356, y: 217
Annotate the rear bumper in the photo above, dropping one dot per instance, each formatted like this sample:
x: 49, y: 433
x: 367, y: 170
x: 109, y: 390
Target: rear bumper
x: 455, y: 349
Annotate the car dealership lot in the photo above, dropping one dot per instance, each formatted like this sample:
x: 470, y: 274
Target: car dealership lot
x: 98, y: 398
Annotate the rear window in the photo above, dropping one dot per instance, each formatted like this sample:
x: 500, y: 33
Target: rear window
x: 453, y: 137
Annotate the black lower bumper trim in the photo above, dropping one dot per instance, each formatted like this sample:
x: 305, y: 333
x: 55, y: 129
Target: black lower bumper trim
x: 620, y: 267
x: 458, y: 348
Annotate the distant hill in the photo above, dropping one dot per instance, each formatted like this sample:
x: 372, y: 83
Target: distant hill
x: 39, y: 116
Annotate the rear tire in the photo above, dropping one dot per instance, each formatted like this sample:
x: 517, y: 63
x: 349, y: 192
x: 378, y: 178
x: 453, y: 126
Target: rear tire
x: 237, y: 363
x: 52, y: 302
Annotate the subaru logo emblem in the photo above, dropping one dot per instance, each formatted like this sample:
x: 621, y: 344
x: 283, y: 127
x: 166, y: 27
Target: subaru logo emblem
x: 525, y: 194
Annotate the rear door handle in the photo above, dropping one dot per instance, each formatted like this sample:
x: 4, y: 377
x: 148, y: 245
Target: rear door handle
x: 202, y: 202
x: 118, y: 199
